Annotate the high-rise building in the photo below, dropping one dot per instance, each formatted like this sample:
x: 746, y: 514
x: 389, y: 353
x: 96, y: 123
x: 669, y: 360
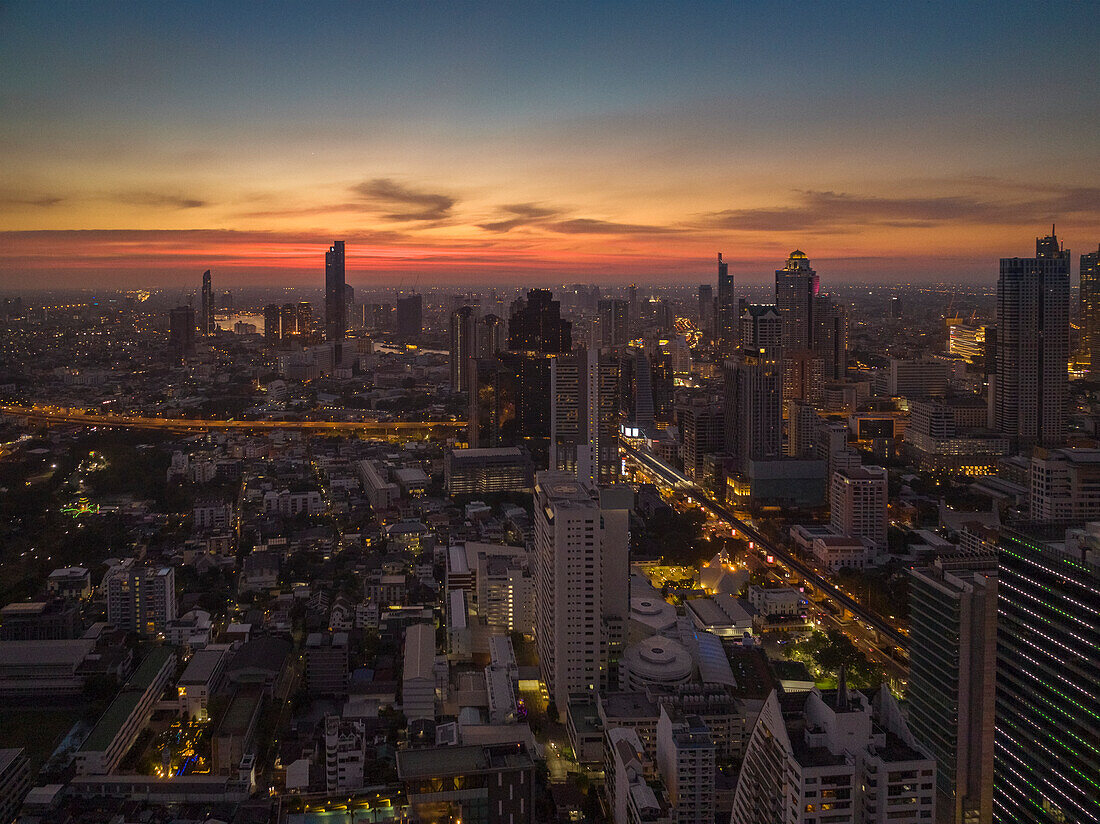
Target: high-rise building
x: 509, y: 405
x: 614, y: 322
x: 272, y: 322
x: 1064, y: 485
x: 968, y: 342
x: 1047, y: 717
x: 803, y: 375
x: 288, y: 320
x: 686, y: 760
x: 857, y: 504
x: 581, y: 582
x: 536, y: 325
x: 181, y: 333
x: 1031, y: 388
x: 725, y: 311
x: 410, y: 316
x: 208, y: 325
x: 830, y: 323
x: 584, y: 427
x: 837, y: 757
x: 463, y: 346
x: 336, y: 321
x: 345, y: 754
x: 304, y: 321
x: 491, y: 336
x: 754, y: 389
x: 706, y: 310
x: 140, y: 599
x: 703, y: 426
x: 796, y: 287
x: 227, y: 301
x: 1090, y: 309
x: 895, y: 307
x: 952, y: 669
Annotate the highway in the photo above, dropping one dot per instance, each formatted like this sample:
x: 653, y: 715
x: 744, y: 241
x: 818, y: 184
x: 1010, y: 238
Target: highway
x: 391, y: 431
x: 679, y: 483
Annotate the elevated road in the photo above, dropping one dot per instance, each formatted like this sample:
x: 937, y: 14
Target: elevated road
x: 391, y: 431
x: 670, y: 478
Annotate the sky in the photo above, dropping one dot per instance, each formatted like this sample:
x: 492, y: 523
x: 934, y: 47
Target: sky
x: 141, y: 143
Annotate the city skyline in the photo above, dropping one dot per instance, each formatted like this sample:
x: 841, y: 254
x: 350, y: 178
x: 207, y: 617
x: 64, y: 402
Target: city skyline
x: 606, y: 144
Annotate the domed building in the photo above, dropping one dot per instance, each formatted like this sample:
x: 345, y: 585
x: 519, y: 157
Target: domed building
x: 650, y: 616
x: 655, y: 661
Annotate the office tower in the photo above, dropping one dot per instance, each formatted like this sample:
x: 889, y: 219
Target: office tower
x: 726, y: 313
x: 834, y: 757
x: 686, y: 760
x: 491, y: 336
x: 272, y: 322
x: 754, y: 389
x: 140, y: 599
x: 952, y: 669
x: 796, y: 287
x: 181, y: 333
x: 914, y: 378
x: 1090, y: 309
x: 581, y: 582
x: 857, y: 504
x: 614, y: 322
x: 1064, y: 485
x: 304, y: 320
x: 584, y: 427
x: 1032, y: 381
x: 830, y: 323
x: 1047, y: 718
x: 702, y: 423
x: 463, y: 343
x: 410, y: 316
x: 895, y: 307
x: 208, y: 325
x: 227, y: 301
x: 509, y: 403
x: 706, y: 310
x: 536, y: 325
x: 336, y: 322
x: 288, y: 320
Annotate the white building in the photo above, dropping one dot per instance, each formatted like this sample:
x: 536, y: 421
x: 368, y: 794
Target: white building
x: 381, y: 492
x: 290, y: 504
x: 345, y: 754
x: 581, y: 581
x: 633, y: 799
x: 1065, y: 485
x: 210, y: 514
x: 857, y: 502
x: 200, y: 679
x: 140, y: 599
x: 685, y: 757
x: 834, y: 757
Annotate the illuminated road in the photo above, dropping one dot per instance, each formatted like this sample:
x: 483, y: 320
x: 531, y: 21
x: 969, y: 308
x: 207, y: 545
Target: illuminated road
x: 392, y: 431
x: 672, y: 479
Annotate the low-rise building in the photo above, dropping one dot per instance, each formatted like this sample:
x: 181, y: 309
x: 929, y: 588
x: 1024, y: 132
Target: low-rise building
x: 15, y: 782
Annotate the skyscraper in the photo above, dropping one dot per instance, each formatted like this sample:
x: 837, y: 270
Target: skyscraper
x: 463, y: 343
x: 491, y: 336
x: 796, y: 287
x: 304, y: 321
x: 536, y: 325
x: 706, y: 310
x: 1047, y: 717
x: 754, y: 389
x: 1032, y: 381
x: 952, y: 666
x: 410, y: 316
x: 581, y: 582
x: 725, y: 311
x: 336, y: 322
x: 181, y: 332
x: 272, y: 322
x: 208, y: 325
x: 614, y: 322
x: 584, y: 425
x: 1090, y: 310
x: 830, y: 325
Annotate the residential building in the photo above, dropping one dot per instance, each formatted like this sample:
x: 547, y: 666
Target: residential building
x: 463, y: 346
x: 614, y: 322
x: 581, y: 582
x: 326, y: 664
x: 686, y: 760
x: 754, y: 390
x: 345, y: 755
x: 634, y: 793
x: 15, y: 782
x: 1031, y: 385
x: 857, y: 504
x: 410, y: 316
x: 914, y: 378
x: 140, y: 599
x: 1090, y: 309
x: 584, y: 424
x: 181, y: 333
x: 484, y: 471
x: 536, y: 325
x: 1065, y: 485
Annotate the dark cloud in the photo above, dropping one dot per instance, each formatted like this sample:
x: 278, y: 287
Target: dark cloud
x: 838, y: 212
x: 404, y: 203
x: 15, y: 200
x: 156, y: 200
x: 521, y: 214
x: 589, y: 226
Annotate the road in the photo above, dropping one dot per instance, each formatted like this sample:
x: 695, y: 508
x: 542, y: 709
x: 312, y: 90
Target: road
x: 675, y: 481
x: 390, y: 431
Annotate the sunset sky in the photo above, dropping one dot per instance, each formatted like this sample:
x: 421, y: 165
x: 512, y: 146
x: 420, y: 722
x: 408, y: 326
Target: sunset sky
x: 143, y: 142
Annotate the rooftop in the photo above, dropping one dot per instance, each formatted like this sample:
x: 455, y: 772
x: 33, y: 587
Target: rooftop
x: 432, y: 762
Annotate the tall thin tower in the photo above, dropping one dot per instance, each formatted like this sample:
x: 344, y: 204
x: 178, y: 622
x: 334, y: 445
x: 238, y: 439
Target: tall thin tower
x: 1031, y: 389
x: 1090, y: 310
x: 726, y: 315
x: 335, y: 309
x: 207, y: 305
x: 796, y: 287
